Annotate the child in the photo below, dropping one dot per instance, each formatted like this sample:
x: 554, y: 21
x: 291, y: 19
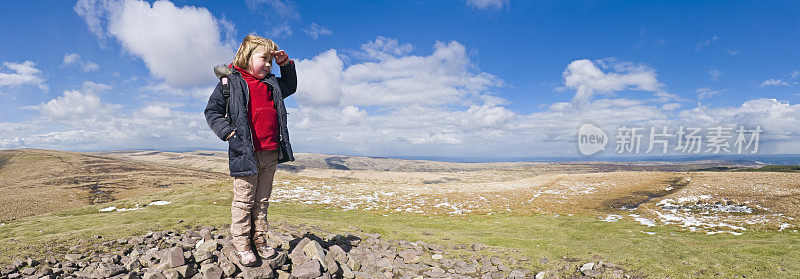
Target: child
x: 253, y: 121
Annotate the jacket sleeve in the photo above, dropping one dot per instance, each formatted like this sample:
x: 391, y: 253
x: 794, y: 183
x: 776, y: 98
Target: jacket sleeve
x: 215, y: 113
x: 288, y: 79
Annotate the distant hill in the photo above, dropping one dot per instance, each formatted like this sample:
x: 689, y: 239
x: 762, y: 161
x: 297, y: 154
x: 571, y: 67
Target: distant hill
x: 34, y: 181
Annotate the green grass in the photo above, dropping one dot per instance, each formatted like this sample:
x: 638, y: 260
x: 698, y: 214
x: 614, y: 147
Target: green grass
x: 768, y: 168
x: 774, y: 168
x: 670, y: 253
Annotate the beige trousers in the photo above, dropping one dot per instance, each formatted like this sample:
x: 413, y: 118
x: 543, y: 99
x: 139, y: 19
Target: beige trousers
x: 251, y: 200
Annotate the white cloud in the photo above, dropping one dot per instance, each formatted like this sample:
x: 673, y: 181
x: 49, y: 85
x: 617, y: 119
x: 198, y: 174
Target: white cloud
x: 75, y: 105
x: 701, y: 45
x: 588, y: 79
x: 778, y: 118
x: 73, y: 59
x: 22, y: 74
x: 715, y: 74
x: 321, y: 80
x: 794, y: 74
x: 316, y: 31
x: 352, y: 115
x: 774, y: 82
x: 81, y: 120
x: 488, y: 116
x: 394, y: 100
x: 156, y: 111
x: 177, y: 44
x: 487, y: 4
x: 384, y: 48
x: 703, y: 93
x: 732, y: 52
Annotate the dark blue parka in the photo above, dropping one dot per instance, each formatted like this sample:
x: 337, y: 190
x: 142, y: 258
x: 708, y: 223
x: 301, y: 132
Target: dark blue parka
x: 241, y: 153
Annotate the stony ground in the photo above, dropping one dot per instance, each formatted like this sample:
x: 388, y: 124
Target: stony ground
x: 206, y: 252
x: 651, y: 193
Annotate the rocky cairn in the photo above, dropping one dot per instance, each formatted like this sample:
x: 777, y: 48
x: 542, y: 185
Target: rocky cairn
x: 206, y: 252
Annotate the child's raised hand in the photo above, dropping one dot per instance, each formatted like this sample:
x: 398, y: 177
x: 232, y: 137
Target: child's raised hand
x: 280, y: 56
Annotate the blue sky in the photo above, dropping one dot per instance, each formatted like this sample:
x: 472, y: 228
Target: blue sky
x: 404, y: 78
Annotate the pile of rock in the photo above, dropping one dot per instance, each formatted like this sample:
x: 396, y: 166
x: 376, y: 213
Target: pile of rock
x: 206, y: 252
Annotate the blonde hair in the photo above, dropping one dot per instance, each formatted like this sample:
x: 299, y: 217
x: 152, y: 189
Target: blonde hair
x: 249, y: 45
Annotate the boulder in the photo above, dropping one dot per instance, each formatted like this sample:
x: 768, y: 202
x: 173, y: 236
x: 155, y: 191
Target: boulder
x: 307, y: 270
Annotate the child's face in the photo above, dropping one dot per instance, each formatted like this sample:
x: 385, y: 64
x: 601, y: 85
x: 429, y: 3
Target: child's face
x: 260, y: 63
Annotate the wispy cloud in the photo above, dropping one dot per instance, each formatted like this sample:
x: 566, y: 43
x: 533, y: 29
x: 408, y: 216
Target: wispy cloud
x: 704, y: 93
x: 715, y: 74
x: 316, y: 31
x: 73, y: 59
x: 732, y: 52
x: 491, y: 5
x: 701, y: 45
x: 22, y: 74
x: 774, y: 82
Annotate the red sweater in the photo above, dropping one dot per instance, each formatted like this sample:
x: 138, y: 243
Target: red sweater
x: 261, y: 114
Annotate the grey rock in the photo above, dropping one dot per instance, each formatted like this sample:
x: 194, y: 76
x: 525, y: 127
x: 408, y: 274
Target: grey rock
x: 517, y: 273
x: 594, y: 273
x: 331, y: 264
x: 133, y: 265
x: 172, y: 274
x: 185, y: 271
x: 105, y: 270
x: 228, y: 268
x: 206, y: 234
x: 307, y: 270
x: 28, y: 271
x: 502, y: 268
x: 171, y: 258
x: 200, y: 256
x: 283, y: 274
x: 8, y: 270
x: 211, y: 271
x: 488, y: 269
x: 354, y: 264
x: 73, y: 257
x: 314, y: 251
x: 338, y: 253
x: 208, y: 246
x: 43, y: 272
x: 587, y: 266
x: 347, y: 272
x: 298, y: 257
x: 282, y: 242
x: 409, y: 256
x: 384, y: 263
x: 435, y: 272
x: 19, y: 263
x: 153, y: 274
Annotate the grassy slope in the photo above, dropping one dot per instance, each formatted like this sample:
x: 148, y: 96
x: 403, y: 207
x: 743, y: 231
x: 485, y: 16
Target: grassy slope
x: 675, y: 253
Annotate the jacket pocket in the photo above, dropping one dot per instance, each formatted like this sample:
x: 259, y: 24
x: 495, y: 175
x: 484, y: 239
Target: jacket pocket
x: 235, y: 146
